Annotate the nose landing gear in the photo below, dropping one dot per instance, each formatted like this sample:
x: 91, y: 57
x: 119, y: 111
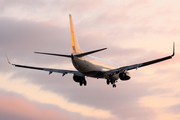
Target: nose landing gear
x: 114, y: 85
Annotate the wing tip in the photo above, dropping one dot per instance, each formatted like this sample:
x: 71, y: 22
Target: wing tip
x: 173, y: 49
x: 8, y: 59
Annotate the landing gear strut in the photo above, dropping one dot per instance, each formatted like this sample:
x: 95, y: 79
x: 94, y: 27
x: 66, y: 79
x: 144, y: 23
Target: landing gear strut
x: 113, y: 83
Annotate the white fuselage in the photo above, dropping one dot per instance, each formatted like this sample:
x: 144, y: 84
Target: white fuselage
x: 93, y: 67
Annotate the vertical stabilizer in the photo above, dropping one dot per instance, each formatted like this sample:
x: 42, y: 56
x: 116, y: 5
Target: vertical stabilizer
x: 75, y: 45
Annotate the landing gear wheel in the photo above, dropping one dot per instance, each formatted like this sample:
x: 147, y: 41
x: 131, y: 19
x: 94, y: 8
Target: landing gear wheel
x: 85, y: 83
x: 80, y: 83
x: 114, y: 85
x: 107, y: 82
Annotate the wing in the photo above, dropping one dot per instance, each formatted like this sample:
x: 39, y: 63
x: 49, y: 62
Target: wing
x: 135, y: 66
x: 50, y: 70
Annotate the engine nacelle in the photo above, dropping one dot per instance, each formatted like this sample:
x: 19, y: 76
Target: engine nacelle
x: 124, y: 76
x: 78, y: 78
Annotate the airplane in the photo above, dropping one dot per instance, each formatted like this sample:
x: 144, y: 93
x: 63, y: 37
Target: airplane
x: 90, y: 66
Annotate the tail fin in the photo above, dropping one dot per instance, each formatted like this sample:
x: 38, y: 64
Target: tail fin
x: 74, y: 40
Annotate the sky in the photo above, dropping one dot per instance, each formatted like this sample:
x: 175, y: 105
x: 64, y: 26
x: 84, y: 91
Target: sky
x: 134, y: 31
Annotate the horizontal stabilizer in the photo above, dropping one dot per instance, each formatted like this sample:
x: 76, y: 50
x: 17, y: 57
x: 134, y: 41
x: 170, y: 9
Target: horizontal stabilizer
x: 53, y: 54
x: 87, y: 53
x: 77, y: 55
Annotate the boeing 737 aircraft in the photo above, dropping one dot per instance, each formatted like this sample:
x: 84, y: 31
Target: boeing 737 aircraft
x: 90, y: 66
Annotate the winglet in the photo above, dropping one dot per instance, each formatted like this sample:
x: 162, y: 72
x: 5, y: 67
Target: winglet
x: 173, y: 49
x: 8, y: 59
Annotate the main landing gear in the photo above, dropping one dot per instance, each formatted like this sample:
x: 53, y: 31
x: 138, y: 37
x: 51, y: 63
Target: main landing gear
x: 112, y: 82
x: 83, y: 82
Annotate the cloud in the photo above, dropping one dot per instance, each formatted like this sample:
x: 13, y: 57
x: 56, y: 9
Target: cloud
x: 35, y: 93
x: 78, y: 5
x: 22, y: 38
x: 14, y: 6
x: 16, y: 107
x: 133, y: 31
x: 129, y: 93
x: 175, y: 109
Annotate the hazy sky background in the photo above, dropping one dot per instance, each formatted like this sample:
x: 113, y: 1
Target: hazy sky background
x: 134, y: 31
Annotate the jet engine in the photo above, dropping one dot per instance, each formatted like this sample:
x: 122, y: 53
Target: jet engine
x: 124, y: 76
x: 80, y: 79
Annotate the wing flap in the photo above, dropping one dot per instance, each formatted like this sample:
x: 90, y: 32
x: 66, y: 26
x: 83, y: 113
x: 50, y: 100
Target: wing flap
x: 29, y: 67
